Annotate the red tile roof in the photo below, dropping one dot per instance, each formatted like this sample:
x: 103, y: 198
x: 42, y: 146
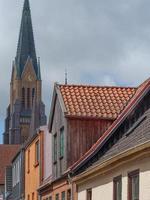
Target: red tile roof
x: 7, y: 152
x: 142, y: 89
x: 95, y: 101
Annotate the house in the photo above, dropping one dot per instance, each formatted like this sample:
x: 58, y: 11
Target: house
x: 14, y: 177
x: 7, y: 152
x: 117, y: 167
x: 80, y: 114
x: 33, y: 165
x: 44, y: 189
x: 18, y: 175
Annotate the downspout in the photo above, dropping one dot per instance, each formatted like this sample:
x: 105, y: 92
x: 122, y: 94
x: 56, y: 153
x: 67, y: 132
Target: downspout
x: 71, y: 183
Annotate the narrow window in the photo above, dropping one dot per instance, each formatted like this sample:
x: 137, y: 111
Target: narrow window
x: 23, y: 97
x: 56, y: 170
x: 63, y: 196
x: 62, y: 142
x: 28, y: 167
x: 28, y: 197
x: 55, y: 147
x: 89, y: 194
x: 37, y: 152
x: 57, y: 197
x: 133, y: 185
x: 33, y: 94
x: 33, y: 196
x: 28, y: 97
x: 117, y: 189
x: 69, y: 194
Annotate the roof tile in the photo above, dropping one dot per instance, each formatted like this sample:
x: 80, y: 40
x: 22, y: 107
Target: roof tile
x: 95, y: 101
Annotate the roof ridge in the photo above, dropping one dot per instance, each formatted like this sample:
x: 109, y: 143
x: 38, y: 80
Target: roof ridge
x: 100, y: 86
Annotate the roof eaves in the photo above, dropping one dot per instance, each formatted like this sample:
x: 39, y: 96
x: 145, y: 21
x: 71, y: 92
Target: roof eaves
x: 56, y: 93
x: 52, y: 108
x: 110, y: 161
x: 89, y: 117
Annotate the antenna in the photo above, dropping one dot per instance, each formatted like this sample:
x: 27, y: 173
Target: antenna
x: 66, y: 77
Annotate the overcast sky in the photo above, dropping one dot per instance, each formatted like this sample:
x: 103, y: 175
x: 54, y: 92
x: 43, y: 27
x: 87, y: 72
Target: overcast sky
x: 102, y: 42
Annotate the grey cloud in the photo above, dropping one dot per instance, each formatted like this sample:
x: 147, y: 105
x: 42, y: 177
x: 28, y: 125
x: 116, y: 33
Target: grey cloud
x: 98, y: 41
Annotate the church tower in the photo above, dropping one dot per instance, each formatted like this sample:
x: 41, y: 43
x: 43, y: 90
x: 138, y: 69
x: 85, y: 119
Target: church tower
x: 26, y: 108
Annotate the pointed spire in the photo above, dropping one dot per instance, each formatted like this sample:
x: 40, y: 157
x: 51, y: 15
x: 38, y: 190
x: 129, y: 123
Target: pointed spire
x: 26, y: 6
x: 26, y: 46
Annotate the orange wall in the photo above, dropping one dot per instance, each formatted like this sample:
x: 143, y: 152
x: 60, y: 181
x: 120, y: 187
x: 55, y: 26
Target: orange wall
x: 33, y: 176
x: 57, y: 188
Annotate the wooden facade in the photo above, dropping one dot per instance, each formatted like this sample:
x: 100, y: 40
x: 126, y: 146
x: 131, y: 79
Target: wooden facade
x: 82, y: 134
x: 79, y: 135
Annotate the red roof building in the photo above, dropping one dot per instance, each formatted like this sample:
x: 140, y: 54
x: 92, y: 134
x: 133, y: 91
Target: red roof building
x: 7, y: 152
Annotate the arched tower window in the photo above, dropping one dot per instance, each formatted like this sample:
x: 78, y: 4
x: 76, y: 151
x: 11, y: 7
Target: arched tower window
x: 33, y: 94
x: 28, y: 98
x: 23, y: 97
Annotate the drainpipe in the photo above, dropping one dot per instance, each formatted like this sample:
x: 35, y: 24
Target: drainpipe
x: 71, y: 183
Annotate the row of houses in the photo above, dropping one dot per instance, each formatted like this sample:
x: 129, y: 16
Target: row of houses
x: 96, y: 146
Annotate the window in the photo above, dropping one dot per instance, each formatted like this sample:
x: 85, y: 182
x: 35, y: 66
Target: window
x: 117, y: 190
x: 62, y: 142
x: 50, y: 198
x: 57, y: 197
x: 89, y: 194
x: 61, y: 163
x: 63, y: 196
x: 28, y: 97
x: 33, y: 94
x: 28, y: 197
x: 23, y: 97
x: 28, y: 167
x: 37, y: 152
x: 133, y: 185
x: 33, y: 196
x: 69, y: 195
x: 55, y: 147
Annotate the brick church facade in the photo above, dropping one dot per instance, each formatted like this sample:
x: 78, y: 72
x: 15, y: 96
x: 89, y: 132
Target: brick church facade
x: 26, y: 110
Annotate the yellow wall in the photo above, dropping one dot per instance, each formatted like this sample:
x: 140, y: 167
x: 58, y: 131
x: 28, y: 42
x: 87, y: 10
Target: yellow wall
x: 33, y: 176
x: 102, y: 185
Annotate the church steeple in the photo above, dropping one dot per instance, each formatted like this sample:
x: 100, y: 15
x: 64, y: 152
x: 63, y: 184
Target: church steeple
x: 26, y: 45
x: 26, y: 109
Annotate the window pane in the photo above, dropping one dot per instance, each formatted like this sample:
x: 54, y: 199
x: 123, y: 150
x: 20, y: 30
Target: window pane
x: 69, y: 195
x: 23, y: 97
x: 135, y: 188
x: 134, y: 185
x: 57, y: 196
x: 28, y: 97
x: 62, y: 142
x: 28, y: 160
x: 89, y: 194
x: 55, y: 147
x: 37, y: 149
x: 63, y: 196
x: 118, y: 188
